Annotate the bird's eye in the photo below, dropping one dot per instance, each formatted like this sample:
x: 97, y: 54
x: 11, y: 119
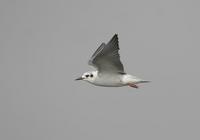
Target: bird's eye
x: 91, y: 75
x: 87, y: 75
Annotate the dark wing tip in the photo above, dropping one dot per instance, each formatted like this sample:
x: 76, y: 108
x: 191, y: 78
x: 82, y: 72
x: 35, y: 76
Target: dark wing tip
x: 115, y: 37
x: 114, y: 41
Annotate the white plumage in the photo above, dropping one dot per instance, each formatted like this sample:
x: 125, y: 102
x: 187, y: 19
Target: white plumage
x: 110, y: 71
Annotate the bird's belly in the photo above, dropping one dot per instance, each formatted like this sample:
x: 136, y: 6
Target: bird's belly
x: 108, y: 82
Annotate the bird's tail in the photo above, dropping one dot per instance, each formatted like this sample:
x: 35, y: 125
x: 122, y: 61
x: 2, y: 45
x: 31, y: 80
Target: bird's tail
x: 144, y: 81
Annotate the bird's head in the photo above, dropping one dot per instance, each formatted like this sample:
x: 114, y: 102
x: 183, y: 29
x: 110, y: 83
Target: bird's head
x: 88, y: 76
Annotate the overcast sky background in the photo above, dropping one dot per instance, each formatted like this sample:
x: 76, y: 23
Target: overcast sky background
x: 45, y: 45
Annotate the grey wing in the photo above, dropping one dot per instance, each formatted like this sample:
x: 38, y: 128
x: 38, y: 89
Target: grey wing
x: 106, y: 58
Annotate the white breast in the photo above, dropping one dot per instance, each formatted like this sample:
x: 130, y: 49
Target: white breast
x: 109, y: 80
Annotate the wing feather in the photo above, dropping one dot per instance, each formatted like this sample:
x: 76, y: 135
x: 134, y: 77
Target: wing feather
x: 106, y: 58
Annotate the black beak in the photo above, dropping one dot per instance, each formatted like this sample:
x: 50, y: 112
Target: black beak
x: 80, y: 78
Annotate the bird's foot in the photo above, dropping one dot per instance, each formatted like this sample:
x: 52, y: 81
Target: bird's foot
x: 133, y: 85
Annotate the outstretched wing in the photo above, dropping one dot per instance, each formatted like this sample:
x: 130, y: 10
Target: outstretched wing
x: 106, y: 58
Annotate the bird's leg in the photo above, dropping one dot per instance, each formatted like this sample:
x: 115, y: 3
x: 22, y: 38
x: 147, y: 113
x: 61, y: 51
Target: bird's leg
x: 132, y: 85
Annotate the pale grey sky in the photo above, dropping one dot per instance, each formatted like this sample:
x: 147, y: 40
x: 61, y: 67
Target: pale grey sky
x: 45, y: 45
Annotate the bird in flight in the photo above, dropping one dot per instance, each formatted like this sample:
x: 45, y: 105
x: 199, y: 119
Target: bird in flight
x: 110, y: 71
